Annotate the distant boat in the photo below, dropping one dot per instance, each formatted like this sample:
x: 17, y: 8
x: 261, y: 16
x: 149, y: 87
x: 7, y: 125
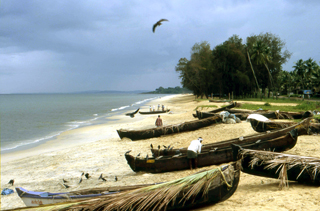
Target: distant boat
x: 132, y: 113
x: 154, y: 112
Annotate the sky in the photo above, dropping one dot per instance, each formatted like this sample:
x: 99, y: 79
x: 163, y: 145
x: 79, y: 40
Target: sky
x: 82, y: 45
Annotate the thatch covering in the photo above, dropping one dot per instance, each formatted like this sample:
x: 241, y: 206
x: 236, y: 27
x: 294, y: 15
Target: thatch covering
x: 203, y: 188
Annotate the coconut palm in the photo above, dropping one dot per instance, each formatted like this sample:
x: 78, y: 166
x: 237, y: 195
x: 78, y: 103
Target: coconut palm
x: 261, y: 54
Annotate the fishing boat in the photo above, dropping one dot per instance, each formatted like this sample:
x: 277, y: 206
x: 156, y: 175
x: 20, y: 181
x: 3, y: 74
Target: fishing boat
x: 220, y: 101
x: 132, y: 113
x: 154, y: 112
x: 277, y: 165
x: 36, y: 198
x: 302, y: 129
x: 263, y: 126
x: 208, y: 156
x: 232, y: 105
x: 197, y: 190
x: 166, y: 130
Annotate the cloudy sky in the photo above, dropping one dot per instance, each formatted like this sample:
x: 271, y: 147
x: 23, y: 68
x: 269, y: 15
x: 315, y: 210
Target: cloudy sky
x: 78, y: 45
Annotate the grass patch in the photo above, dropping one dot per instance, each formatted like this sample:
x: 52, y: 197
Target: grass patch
x: 304, y: 106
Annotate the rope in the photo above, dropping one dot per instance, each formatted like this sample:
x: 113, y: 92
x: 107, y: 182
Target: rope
x: 224, y: 178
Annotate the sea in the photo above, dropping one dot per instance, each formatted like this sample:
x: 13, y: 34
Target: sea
x: 28, y: 120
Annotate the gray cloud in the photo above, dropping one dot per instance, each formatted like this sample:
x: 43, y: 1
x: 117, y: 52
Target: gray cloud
x: 62, y: 46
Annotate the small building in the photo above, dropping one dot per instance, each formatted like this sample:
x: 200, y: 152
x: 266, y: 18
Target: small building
x: 307, y: 93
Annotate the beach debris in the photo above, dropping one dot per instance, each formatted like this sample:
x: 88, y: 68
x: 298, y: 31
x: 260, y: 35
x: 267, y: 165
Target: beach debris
x: 138, y: 154
x: 128, y: 152
x: 151, y: 146
x: 6, y: 191
x: 116, y: 178
x: 258, y: 141
x: 80, y: 180
x: 158, y: 24
x: 103, y: 179
x: 64, y: 181
x: 87, y: 175
x: 147, y: 157
x: 158, y: 146
x: 11, y: 182
x: 82, y: 174
x: 164, y: 146
x: 169, y: 147
x: 100, y: 176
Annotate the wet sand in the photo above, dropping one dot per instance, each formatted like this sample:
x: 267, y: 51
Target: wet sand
x: 98, y: 149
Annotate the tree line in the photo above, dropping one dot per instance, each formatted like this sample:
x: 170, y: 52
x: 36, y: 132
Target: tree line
x: 244, y: 68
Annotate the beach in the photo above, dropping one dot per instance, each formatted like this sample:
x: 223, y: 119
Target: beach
x: 97, y: 149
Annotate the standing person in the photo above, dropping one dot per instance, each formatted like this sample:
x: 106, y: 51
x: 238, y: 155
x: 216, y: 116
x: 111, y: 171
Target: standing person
x: 153, y: 108
x: 150, y: 108
x: 158, y: 107
x: 193, y: 150
x: 158, y: 121
x: 162, y: 107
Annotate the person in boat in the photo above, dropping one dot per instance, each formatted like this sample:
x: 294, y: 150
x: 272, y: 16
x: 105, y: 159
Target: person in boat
x: 193, y: 150
x: 158, y: 121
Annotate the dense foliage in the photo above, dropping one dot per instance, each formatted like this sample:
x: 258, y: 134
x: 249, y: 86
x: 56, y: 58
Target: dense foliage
x: 170, y: 90
x: 244, y: 68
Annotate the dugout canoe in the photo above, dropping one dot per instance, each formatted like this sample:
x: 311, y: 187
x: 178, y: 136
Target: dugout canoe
x: 220, y: 101
x: 278, y: 165
x: 166, y: 130
x: 261, y: 126
x: 302, y: 129
x: 208, y: 156
x: 154, y: 112
x: 194, y: 191
x: 132, y: 113
x: 232, y: 105
x: 36, y: 198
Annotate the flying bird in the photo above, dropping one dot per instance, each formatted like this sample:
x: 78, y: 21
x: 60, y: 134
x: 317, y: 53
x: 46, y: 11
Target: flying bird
x: 157, y: 24
x: 11, y: 182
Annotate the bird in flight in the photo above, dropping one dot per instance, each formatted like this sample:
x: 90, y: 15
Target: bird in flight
x: 157, y: 24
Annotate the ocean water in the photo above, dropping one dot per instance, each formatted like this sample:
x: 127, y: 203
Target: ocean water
x: 30, y: 119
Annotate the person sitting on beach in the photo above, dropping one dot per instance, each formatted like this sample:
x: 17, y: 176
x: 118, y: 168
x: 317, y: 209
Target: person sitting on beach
x: 193, y: 150
x: 158, y: 121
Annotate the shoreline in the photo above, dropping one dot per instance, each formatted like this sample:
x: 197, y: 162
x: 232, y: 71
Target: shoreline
x: 96, y: 153
x: 63, y: 140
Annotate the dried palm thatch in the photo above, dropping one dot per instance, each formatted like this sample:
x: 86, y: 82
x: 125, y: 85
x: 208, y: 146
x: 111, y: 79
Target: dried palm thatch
x: 285, y: 167
x: 203, y: 187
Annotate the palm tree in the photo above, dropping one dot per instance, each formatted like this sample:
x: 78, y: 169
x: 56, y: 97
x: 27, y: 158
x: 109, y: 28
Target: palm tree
x: 299, y: 72
x: 261, y: 54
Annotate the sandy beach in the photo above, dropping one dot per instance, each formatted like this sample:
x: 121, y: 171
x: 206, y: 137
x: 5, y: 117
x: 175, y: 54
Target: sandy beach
x: 98, y: 149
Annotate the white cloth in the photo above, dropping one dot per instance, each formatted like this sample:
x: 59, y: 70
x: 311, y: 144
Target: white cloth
x: 195, y: 146
x: 258, y: 117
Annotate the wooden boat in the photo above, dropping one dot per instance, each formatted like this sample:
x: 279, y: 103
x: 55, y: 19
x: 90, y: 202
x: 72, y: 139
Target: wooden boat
x: 197, y: 190
x: 261, y: 126
x: 166, y: 130
x: 232, y: 105
x: 35, y: 198
x: 277, y: 165
x: 154, y: 112
x: 220, y: 101
x: 132, y: 113
x: 302, y: 129
x: 269, y: 114
x: 208, y: 156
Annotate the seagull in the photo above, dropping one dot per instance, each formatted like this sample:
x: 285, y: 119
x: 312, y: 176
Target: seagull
x: 87, y: 175
x: 157, y: 24
x: 116, y: 178
x: 11, y: 182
